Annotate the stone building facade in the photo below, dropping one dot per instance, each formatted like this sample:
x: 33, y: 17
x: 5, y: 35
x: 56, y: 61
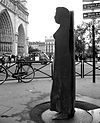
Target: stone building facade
x: 13, y: 27
x: 49, y: 45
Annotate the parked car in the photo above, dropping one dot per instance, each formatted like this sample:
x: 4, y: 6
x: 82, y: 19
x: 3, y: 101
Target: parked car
x: 38, y: 56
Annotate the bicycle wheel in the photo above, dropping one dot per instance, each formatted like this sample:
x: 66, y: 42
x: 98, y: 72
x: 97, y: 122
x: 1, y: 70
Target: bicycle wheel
x: 3, y: 74
x: 26, y: 73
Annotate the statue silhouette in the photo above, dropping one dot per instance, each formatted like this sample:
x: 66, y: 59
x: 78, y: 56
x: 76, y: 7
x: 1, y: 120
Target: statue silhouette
x: 62, y: 93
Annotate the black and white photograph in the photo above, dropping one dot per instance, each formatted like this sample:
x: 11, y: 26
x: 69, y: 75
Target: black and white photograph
x: 49, y: 61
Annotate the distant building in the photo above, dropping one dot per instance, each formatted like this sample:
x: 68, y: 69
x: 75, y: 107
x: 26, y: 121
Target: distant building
x: 38, y: 45
x: 13, y: 27
x: 49, y: 45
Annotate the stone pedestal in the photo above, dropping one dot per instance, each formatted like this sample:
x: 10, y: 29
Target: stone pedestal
x: 84, y: 113
x: 96, y: 115
x: 80, y: 116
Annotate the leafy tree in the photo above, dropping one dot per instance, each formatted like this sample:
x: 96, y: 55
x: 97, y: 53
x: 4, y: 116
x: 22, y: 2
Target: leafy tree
x: 83, y: 36
x: 79, y: 38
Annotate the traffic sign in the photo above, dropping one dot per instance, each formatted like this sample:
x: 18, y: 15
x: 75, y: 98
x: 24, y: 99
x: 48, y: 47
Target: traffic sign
x: 91, y: 15
x: 91, y: 6
x: 90, y: 0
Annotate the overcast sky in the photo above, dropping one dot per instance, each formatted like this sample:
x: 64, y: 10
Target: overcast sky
x: 41, y: 16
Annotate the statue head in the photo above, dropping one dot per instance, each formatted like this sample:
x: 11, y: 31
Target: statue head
x: 62, y: 14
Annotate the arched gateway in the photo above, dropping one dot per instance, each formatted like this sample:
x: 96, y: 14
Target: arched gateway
x: 6, y: 32
x: 21, y: 40
x: 13, y: 27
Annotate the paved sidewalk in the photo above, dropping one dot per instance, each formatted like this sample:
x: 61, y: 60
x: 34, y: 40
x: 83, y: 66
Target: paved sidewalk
x: 88, y: 91
x: 15, y: 107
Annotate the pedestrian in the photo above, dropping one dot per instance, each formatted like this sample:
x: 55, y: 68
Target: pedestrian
x: 60, y: 99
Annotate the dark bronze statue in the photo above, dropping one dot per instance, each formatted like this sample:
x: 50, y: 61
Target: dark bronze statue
x: 63, y: 89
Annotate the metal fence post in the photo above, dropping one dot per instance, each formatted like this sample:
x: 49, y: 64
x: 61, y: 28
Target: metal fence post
x: 93, y: 36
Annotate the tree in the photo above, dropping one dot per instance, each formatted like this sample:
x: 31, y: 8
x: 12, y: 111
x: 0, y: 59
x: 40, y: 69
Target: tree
x: 79, y: 38
x: 83, y: 36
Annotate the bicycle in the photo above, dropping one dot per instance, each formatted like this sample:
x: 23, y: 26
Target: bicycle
x: 23, y: 72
